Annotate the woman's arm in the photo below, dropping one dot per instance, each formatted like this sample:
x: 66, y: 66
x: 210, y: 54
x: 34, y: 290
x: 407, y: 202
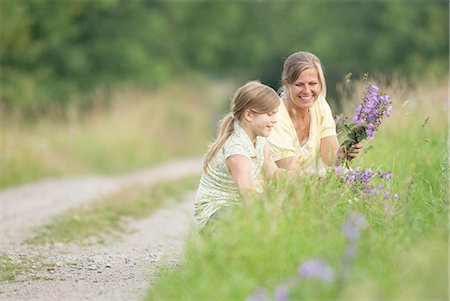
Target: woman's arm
x: 270, y: 168
x: 239, y: 167
x: 329, y: 150
x: 289, y: 163
x: 332, y: 152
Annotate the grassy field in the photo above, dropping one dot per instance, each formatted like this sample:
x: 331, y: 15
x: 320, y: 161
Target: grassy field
x: 319, y: 239
x: 139, y: 127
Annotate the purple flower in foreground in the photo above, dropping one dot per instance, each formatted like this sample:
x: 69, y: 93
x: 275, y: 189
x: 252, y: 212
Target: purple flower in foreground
x: 281, y: 293
x: 259, y: 295
x: 353, y: 226
x: 317, y: 268
x: 351, y: 250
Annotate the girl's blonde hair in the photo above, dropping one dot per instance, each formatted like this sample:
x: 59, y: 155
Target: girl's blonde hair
x: 295, y: 64
x: 255, y: 96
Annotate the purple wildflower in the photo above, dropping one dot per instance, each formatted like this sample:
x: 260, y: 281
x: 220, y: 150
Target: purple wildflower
x: 385, y: 99
x: 388, y: 175
x: 340, y: 120
x: 387, y: 194
x: 351, y: 250
x: 259, y: 295
x: 317, y: 268
x: 353, y: 226
x: 358, y: 111
x: 372, y: 110
x: 370, y: 130
x: 366, y: 181
x: 388, y: 111
x: 395, y: 196
x: 367, y: 119
x: 281, y: 292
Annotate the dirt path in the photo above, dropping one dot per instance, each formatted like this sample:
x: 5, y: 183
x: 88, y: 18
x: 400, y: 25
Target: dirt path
x: 121, y: 270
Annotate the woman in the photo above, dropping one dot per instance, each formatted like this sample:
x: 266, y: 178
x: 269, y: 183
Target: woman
x: 304, y: 138
x: 236, y: 163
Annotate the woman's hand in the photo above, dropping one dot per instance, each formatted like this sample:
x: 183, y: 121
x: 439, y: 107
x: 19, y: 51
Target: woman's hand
x: 350, y: 153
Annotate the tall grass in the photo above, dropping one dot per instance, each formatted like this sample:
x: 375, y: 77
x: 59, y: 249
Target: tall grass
x: 139, y: 127
x: 261, y: 253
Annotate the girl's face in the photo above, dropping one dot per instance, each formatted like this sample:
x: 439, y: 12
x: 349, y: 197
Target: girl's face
x: 306, y: 89
x: 262, y: 124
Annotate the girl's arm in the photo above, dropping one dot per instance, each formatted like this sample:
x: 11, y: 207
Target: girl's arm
x: 239, y: 167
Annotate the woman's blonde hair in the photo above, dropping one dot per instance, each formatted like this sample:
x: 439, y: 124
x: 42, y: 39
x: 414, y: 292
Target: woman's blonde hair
x: 255, y: 96
x: 298, y: 62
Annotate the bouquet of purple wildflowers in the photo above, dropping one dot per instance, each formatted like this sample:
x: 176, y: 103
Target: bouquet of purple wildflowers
x: 367, y: 118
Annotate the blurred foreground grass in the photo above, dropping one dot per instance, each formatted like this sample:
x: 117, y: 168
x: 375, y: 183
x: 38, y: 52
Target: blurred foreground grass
x: 294, y: 244
x: 139, y: 128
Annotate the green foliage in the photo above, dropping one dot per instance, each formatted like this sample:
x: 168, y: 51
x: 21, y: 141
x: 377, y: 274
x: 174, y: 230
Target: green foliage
x: 21, y: 268
x: 300, y: 220
x: 356, y: 135
x: 57, y: 52
x: 8, y: 269
x: 402, y: 250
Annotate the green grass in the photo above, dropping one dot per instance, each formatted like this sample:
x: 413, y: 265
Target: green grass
x: 95, y: 221
x: 139, y: 128
x: 21, y: 268
x: 402, y: 253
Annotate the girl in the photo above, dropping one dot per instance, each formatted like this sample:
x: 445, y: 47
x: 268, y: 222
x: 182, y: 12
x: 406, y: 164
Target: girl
x: 238, y: 160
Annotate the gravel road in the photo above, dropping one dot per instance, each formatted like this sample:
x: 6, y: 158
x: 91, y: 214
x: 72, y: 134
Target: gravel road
x: 119, y: 270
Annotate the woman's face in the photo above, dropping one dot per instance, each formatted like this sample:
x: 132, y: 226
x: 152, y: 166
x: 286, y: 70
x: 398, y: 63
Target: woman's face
x: 306, y: 89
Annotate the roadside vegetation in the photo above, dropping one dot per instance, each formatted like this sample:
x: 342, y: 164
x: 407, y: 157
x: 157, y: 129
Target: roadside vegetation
x: 138, y: 128
x: 97, y: 221
x: 20, y: 268
x: 330, y: 239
